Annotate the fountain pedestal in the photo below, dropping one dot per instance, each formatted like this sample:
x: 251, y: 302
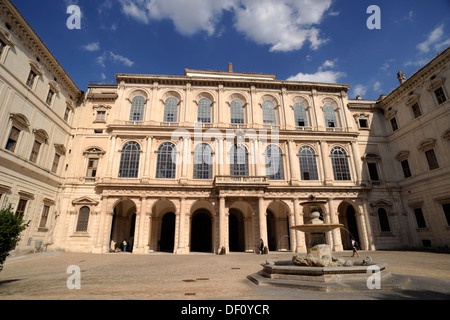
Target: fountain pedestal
x: 319, y: 270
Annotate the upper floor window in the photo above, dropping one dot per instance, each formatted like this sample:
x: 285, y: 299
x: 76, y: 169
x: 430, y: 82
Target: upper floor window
x: 203, y: 161
x: 50, y: 96
x: 92, y: 167
x: 420, y: 219
x: 340, y: 164
x: 2, y: 47
x: 171, y: 110
x: 166, y: 161
x: 55, y: 163
x: 269, y: 114
x: 308, y: 165
x: 101, y: 116
x: 204, y: 111
x: 431, y: 159
x: 237, y: 112
x: 330, y: 116
x: 31, y: 77
x: 67, y: 114
x: 394, y: 125
x: 35, y: 151
x: 238, y: 160
x: 301, y: 119
x: 274, y: 163
x: 440, y: 95
x: 12, y: 140
x: 137, y: 109
x: 20, y: 211
x: 129, y: 161
x: 416, y: 110
x: 405, y: 168
x: 44, y: 217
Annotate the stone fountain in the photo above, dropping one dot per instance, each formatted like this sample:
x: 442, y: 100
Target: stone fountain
x: 319, y: 270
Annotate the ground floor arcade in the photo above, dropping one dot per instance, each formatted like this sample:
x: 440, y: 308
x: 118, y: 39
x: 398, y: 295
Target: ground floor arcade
x: 220, y: 223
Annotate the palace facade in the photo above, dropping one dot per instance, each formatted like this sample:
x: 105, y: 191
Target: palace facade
x: 214, y: 161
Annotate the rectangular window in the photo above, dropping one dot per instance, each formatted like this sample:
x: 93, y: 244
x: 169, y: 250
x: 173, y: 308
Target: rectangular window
x: 431, y: 159
x: 55, y: 163
x: 363, y: 123
x: 66, y: 114
x: 12, y: 140
x: 416, y: 110
x: 20, y: 212
x: 35, y: 151
x: 31, y: 77
x: 2, y: 47
x: 44, y: 217
x: 373, y: 172
x: 420, y: 218
x: 440, y: 95
x: 446, y: 208
x: 101, y: 116
x: 92, y: 168
x: 394, y: 124
x: 49, y: 97
x: 406, y: 170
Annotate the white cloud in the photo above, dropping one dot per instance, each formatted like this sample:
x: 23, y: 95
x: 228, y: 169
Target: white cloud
x: 321, y: 75
x: 359, y: 90
x: 94, y: 46
x: 377, y: 86
x: 434, y: 41
x: 118, y: 58
x: 285, y: 25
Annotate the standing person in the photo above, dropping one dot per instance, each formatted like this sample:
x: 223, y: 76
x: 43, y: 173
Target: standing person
x: 354, y: 248
x: 261, y: 247
x: 124, y: 245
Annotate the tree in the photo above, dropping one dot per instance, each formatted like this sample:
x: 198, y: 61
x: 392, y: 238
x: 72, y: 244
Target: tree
x: 10, y: 230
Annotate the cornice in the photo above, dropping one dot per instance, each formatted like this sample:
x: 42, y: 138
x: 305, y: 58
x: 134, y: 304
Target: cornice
x: 31, y: 39
x: 417, y: 79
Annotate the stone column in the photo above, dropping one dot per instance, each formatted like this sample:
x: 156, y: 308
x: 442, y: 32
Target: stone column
x: 300, y: 236
x: 222, y: 230
x: 262, y: 221
x: 336, y: 233
x: 357, y: 162
x: 141, y: 243
x: 181, y: 230
x: 293, y: 163
x: 112, y: 150
x: 366, y: 222
x: 325, y: 158
x: 291, y: 232
x: 99, y: 247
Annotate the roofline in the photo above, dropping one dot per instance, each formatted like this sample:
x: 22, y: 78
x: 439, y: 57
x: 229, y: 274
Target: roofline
x: 11, y: 13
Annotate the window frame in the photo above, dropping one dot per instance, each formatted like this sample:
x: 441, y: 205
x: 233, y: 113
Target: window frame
x: 279, y: 175
x: 308, y: 161
x: 203, y: 170
x: 236, y: 167
x: 129, y: 167
x: 166, y: 164
x: 340, y: 164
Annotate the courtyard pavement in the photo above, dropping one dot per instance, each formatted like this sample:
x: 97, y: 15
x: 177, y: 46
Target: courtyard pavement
x: 201, y: 276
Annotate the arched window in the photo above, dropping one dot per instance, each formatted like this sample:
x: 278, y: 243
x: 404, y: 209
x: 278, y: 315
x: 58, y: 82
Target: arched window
x: 129, y: 161
x: 330, y: 116
x: 83, y: 219
x: 308, y: 165
x: 237, y: 112
x: 171, y: 110
x: 301, y: 119
x: 384, y: 220
x: 203, y: 161
x: 204, y: 111
x: 238, y: 161
x: 340, y: 164
x: 274, y: 163
x: 137, y: 109
x: 269, y: 114
x: 166, y: 165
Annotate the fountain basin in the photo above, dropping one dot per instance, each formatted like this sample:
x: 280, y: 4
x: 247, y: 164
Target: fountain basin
x: 317, y: 228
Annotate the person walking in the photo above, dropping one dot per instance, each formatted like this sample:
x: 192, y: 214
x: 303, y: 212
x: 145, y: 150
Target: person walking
x: 261, y: 247
x: 354, y: 248
x: 124, y: 245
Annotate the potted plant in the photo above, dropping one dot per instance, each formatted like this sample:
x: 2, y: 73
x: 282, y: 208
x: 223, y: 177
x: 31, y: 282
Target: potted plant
x: 117, y: 247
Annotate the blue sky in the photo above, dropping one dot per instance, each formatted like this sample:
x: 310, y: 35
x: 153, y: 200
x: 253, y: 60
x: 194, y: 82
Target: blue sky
x: 310, y: 40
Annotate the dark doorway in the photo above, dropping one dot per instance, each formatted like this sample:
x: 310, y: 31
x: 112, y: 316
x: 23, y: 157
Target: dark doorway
x: 271, y: 233
x: 349, y: 222
x: 167, y: 240
x: 201, y: 233
x: 236, y: 231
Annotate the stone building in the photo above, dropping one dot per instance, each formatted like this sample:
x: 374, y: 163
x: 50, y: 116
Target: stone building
x: 214, y: 161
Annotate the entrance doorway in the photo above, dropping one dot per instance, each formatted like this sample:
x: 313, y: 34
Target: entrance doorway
x: 347, y: 217
x: 167, y: 240
x: 201, y: 232
x: 236, y: 240
x: 124, y: 224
